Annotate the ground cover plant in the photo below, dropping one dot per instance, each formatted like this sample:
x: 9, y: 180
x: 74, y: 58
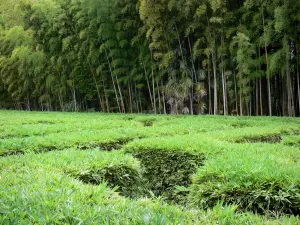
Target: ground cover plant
x: 93, y: 168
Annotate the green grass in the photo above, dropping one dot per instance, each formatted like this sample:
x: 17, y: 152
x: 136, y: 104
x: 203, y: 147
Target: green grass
x: 90, y: 168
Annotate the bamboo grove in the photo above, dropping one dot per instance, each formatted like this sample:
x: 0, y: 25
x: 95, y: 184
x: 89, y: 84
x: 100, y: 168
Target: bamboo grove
x: 151, y: 56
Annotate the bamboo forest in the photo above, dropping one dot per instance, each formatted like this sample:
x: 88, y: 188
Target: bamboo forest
x: 150, y: 112
x: 220, y: 57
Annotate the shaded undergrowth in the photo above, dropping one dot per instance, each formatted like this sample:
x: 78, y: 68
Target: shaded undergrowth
x: 165, y: 170
x: 271, y: 198
x: 163, y: 173
x: 272, y: 138
x: 126, y: 179
x: 105, y: 146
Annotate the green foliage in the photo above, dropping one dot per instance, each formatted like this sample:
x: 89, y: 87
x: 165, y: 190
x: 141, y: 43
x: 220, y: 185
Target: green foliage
x: 150, y: 56
x: 164, y: 170
x: 166, y: 174
x: 126, y: 179
x: 260, y: 181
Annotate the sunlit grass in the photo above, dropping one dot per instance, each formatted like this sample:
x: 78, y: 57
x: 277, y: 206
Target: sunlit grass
x: 73, y: 168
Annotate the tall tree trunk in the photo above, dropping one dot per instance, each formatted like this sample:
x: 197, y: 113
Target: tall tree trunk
x: 153, y: 84
x: 113, y: 80
x: 224, y: 85
x: 130, y: 97
x: 241, y: 103
x: 121, y: 96
x: 97, y: 87
x: 283, y: 96
x: 164, y: 99
x: 28, y: 103
x: 159, y: 99
x: 98, y: 93
x: 61, y: 103
x: 148, y: 85
x: 214, y: 61
x: 260, y: 98
x: 288, y: 86
x: 191, y: 102
x: 106, y: 98
x: 268, y: 83
x: 235, y: 92
x: 74, y: 96
x: 137, y: 97
x: 267, y: 70
x: 224, y: 93
x: 192, y: 60
x: 209, y: 88
x: 298, y: 82
x: 256, y: 97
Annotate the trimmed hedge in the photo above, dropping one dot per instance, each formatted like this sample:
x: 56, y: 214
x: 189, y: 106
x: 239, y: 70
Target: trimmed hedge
x: 268, y: 197
x: 126, y: 179
x: 165, y: 170
x: 266, y: 180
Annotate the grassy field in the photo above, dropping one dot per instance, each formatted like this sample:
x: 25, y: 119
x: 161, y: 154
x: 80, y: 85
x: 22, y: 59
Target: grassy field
x: 76, y: 168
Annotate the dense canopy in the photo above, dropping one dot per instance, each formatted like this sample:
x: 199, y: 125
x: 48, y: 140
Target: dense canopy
x: 161, y: 56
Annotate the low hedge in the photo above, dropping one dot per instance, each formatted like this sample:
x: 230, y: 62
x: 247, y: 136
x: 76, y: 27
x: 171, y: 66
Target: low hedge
x: 268, y: 197
x: 266, y: 180
x: 164, y: 170
x: 126, y: 179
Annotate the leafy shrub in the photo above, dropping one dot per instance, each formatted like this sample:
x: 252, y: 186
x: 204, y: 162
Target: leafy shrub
x: 164, y: 170
x: 147, y: 121
x: 262, y: 138
x: 124, y: 177
x: 106, y: 146
x: 267, y: 197
x: 265, y: 180
x: 292, y: 140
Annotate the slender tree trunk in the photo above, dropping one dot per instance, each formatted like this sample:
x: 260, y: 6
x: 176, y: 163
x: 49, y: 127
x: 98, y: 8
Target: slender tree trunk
x: 215, y: 83
x: 105, y: 96
x: 141, y: 106
x: 74, y: 96
x: 268, y: 83
x: 256, y: 97
x: 181, y: 51
x: 121, y: 96
x: 224, y: 86
x: 288, y: 86
x: 191, y: 103
x: 224, y: 93
x: 159, y: 99
x: 250, y: 108
x: 235, y: 92
x: 28, y: 103
x: 130, y: 97
x: 164, y: 100
x: 153, y: 86
x: 241, y: 103
x: 260, y: 97
x: 209, y: 87
x: 283, y: 96
x: 60, y: 101
x: 256, y: 90
x: 148, y: 85
x: 298, y: 82
x: 113, y: 80
x: 137, y: 98
x: 98, y: 93
x: 192, y: 60
x: 97, y: 87
x: 267, y: 64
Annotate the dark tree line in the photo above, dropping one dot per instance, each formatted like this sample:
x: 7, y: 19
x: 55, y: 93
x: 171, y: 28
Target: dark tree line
x: 161, y: 56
